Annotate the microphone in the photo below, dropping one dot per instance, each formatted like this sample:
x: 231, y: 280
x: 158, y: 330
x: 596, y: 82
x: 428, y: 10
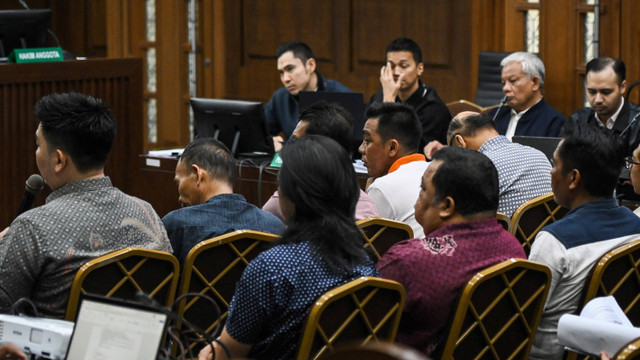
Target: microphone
x: 32, y: 188
x: 633, y: 121
x: 504, y: 100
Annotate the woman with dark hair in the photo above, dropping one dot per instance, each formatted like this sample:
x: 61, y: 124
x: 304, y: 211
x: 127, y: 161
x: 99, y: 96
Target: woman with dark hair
x: 320, y: 249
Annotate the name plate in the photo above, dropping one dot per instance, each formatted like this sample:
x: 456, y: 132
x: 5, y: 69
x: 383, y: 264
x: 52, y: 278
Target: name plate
x: 36, y: 55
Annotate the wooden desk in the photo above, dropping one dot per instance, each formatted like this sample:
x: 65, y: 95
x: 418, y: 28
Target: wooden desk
x: 157, y: 173
x: 118, y: 82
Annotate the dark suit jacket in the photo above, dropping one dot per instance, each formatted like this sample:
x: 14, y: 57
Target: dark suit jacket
x: 629, y: 140
x: 540, y: 120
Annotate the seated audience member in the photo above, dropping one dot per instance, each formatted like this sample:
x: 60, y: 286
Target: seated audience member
x: 586, y: 167
x: 390, y: 153
x: 320, y: 249
x: 633, y: 164
x: 605, y: 85
x: 457, y: 209
x: 332, y: 121
x: 400, y: 80
x: 9, y: 351
x: 296, y: 65
x: 523, y: 172
x: 84, y: 217
x: 525, y: 113
x: 205, y: 175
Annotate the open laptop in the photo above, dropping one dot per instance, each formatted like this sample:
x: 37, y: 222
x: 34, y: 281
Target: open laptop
x: 114, y: 329
x: 351, y: 101
x: 547, y: 145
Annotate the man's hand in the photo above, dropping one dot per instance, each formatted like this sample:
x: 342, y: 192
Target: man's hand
x: 390, y: 87
x: 11, y: 351
x: 4, y: 232
x: 432, y: 147
x: 277, y: 142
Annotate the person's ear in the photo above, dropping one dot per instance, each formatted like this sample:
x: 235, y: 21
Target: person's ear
x: 199, y: 173
x: 446, y: 207
x: 420, y: 68
x: 460, y: 140
x: 61, y: 159
x: 393, y: 147
x: 536, y: 83
x: 310, y: 65
x: 574, y: 179
x: 623, y: 86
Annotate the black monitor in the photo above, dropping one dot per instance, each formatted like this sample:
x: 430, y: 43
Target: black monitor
x: 23, y: 29
x: 240, y: 125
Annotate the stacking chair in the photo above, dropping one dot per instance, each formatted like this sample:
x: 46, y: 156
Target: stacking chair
x: 456, y: 107
x: 532, y: 216
x: 498, y: 312
x: 212, y: 268
x: 381, y: 234
x: 630, y: 352
x: 362, y: 311
x: 123, y: 273
x: 505, y: 221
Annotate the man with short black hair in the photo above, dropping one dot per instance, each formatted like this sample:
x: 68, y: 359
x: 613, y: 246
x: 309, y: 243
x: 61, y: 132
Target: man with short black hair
x: 389, y: 151
x: 524, y: 172
x: 205, y: 174
x: 457, y: 208
x: 585, y: 173
x: 296, y: 65
x: 333, y: 121
x: 84, y: 217
x: 400, y: 80
x: 605, y: 85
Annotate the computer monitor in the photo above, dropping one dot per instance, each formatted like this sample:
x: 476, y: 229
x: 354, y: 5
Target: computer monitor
x: 23, y: 29
x: 240, y: 125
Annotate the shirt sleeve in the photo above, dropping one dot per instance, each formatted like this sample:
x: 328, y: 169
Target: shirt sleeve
x: 547, y: 250
x: 382, y: 204
x: 253, y: 303
x: 20, y: 262
x: 273, y: 206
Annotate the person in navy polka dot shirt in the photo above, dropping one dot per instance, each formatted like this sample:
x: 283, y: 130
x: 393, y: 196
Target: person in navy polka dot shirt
x: 320, y: 249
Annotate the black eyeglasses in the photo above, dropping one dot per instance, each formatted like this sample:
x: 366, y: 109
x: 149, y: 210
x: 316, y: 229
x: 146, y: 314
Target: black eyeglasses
x: 629, y: 162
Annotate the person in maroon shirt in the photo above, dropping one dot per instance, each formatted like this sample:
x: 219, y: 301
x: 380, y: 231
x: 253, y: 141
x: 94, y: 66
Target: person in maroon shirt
x: 457, y: 209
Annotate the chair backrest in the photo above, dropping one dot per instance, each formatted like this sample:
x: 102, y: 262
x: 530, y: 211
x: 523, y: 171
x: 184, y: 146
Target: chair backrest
x: 456, y: 107
x: 212, y: 268
x: 489, y: 90
x: 381, y: 234
x: 375, y: 351
x: 363, y: 310
x: 123, y: 273
x: 498, y: 312
x: 630, y: 352
x: 504, y: 220
x: 532, y: 216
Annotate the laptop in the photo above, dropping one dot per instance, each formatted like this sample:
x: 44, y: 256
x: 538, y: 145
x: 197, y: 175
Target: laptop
x: 547, y: 145
x: 351, y: 101
x: 114, y: 329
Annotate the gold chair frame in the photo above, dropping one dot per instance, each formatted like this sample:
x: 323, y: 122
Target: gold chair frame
x: 151, y: 271
x: 483, y: 327
x: 630, y: 352
x: 363, y: 310
x: 458, y: 106
x: 505, y: 221
x: 380, y: 234
x: 545, y: 210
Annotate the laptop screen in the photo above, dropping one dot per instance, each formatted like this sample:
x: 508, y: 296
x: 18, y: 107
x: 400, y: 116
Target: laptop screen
x: 113, y: 329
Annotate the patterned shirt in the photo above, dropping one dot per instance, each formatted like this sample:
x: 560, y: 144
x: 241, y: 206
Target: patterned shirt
x: 434, y: 270
x: 82, y: 220
x: 274, y: 296
x: 523, y: 172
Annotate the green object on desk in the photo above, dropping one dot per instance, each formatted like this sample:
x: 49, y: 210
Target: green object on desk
x: 36, y: 55
x: 276, y: 162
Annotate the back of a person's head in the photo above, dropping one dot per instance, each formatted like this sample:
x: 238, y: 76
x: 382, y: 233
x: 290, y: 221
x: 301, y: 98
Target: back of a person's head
x: 531, y: 64
x: 213, y: 156
x: 600, y: 63
x: 330, y: 120
x: 596, y: 154
x: 469, y: 125
x: 318, y: 179
x: 406, y: 44
x: 79, y: 124
x: 300, y: 50
x: 396, y: 121
x: 467, y: 176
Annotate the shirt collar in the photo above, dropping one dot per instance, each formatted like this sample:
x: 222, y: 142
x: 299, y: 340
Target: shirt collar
x: 80, y: 186
x: 405, y: 160
x: 612, y: 120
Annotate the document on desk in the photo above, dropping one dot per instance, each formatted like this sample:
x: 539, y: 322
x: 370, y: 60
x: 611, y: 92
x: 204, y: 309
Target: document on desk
x: 602, y: 325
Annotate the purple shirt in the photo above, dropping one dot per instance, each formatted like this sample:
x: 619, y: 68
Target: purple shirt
x: 434, y: 270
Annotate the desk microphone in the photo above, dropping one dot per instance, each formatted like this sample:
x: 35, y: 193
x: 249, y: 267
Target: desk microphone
x: 633, y: 121
x: 32, y: 188
x: 504, y: 100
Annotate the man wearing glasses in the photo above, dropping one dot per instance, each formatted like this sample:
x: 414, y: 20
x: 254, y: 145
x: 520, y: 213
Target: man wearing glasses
x: 587, y: 163
x: 523, y: 172
x: 631, y: 163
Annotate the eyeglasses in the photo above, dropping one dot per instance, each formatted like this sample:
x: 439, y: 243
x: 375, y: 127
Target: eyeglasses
x: 629, y: 162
